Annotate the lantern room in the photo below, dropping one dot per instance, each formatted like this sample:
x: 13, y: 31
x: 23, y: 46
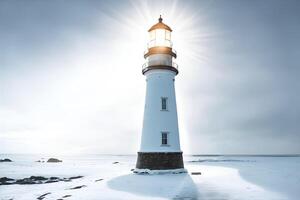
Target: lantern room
x: 160, y: 53
x: 160, y: 35
x: 160, y: 40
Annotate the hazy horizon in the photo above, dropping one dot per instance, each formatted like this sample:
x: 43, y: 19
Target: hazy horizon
x: 134, y: 154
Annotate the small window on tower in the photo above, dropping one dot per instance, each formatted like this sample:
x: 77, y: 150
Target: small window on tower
x: 164, y: 138
x: 164, y: 105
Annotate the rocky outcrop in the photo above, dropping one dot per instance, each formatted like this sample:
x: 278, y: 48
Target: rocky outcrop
x: 53, y: 160
x: 196, y: 173
x: 43, y: 196
x: 77, y: 187
x: 6, y: 180
x: 35, y: 180
x: 5, y: 160
x: 75, y: 177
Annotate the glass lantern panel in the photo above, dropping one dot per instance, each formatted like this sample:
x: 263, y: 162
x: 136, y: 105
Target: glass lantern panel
x: 152, y: 35
x: 168, y: 35
x: 160, y: 37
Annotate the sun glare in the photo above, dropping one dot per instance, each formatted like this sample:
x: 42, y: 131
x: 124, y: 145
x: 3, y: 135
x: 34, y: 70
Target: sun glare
x: 188, y: 36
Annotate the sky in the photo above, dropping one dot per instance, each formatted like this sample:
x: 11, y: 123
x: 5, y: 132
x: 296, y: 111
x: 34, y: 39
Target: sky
x: 71, y: 81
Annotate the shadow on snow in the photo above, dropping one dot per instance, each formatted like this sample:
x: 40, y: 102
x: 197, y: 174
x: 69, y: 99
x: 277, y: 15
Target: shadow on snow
x: 173, y: 186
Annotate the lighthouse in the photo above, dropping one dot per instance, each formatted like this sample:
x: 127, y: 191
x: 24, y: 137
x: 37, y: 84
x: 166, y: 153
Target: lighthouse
x: 160, y: 146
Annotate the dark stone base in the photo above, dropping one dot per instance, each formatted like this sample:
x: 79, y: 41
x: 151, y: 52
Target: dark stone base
x: 159, y: 160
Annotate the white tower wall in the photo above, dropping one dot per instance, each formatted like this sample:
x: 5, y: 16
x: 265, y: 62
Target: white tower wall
x: 160, y: 83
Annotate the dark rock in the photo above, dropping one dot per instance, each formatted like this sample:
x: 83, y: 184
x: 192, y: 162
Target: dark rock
x: 31, y: 180
x: 4, y: 179
x: 52, y: 181
x: 101, y: 179
x: 75, y: 177
x: 54, y: 160
x: 115, y: 162
x: 196, y: 173
x: 5, y: 160
x: 25, y: 181
x: 38, y: 178
x: 43, y: 196
x: 35, y: 180
x: 6, y: 183
x: 77, y: 187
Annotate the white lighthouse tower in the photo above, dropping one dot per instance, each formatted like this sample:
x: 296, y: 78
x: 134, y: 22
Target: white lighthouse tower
x: 160, y: 145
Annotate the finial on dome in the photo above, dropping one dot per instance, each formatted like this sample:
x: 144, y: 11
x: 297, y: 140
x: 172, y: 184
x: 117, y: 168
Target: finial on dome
x: 160, y: 19
x: 159, y: 25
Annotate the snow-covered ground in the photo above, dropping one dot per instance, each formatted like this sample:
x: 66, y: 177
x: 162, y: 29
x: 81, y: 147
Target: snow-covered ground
x: 222, y: 177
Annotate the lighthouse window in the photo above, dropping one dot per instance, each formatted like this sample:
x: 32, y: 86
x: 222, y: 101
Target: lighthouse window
x: 164, y: 103
x: 164, y: 138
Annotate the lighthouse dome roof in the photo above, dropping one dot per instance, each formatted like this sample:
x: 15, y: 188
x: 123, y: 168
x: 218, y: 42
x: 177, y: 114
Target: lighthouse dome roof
x: 160, y: 25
